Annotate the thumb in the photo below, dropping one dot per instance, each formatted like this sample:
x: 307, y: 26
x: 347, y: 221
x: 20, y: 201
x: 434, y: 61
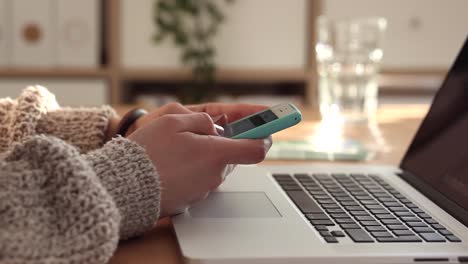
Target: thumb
x: 241, y: 151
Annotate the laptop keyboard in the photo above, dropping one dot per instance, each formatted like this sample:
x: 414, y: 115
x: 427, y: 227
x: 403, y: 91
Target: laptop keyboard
x: 362, y: 207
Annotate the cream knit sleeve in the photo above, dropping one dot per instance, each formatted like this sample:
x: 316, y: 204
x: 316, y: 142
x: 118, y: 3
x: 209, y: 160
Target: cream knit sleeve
x: 57, y: 206
x: 36, y: 111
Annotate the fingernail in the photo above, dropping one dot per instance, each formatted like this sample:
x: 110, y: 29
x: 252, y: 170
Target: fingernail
x: 219, y: 129
x: 267, y: 142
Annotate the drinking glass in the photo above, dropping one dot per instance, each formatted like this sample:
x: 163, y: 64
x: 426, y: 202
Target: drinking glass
x: 349, y: 53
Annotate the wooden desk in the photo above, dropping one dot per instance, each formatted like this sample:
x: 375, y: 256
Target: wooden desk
x: 396, y: 123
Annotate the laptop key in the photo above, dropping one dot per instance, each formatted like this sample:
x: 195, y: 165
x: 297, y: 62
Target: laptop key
x: 424, y: 216
x: 410, y: 219
x: 345, y: 221
x: 349, y: 203
x: 437, y: 226
x: 350, y: 226
x: 391, y: 204
x: 353, y: 208
x: 344, y: 199
x: 391, y: 221
x: 373, y: 206
x: 370, y: 223
x: 315, y: 190
x: 304, y: 202
x: 403, y: 232
x: 292, y: 188
x: 330, y: 239
x: 325, y: 201
x: 317, y: 216
x: 281, y: 176
x: 321, y: 228
x: 398, y: 209
x: 317, y: 193
x: 417, y: 224
x: 375, y: 228
x: 359, y: 235
x: 445, y: 232
x: 322, y: 222
x: 385, y: 216
x: 423, y: 229
x: 369, y: 202
x: 432, y: 237
x: 401, y: 214
x: 324, y: 233
x: 399, y: 196
x: 453, y: 238
x: 321, y: 196
x: 333, y: 210
x: 378, y: 211
x: 341, y: 194
x: 431, y: 221
x: 331, y: 206
x: 337, y: 233
x: 397, y: 227
x: 335, y: 216
x: 364, y: 218
x: 364, y: 198
x: 381, y: 234
x: 356, y: 213
x: 405, y: 201
x: 417, y: 210
x: 386, y: 199
x: 401, y: 239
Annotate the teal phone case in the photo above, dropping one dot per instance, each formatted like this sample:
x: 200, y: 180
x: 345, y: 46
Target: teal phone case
x: 270, y: 128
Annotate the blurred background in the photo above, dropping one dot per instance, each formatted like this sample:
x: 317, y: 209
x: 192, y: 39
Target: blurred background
x: 93, y: 52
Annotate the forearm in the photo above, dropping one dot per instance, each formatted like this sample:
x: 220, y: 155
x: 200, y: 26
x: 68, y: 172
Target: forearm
x: 59, y: 206
x: 57, y: 210
x: 129, y: 176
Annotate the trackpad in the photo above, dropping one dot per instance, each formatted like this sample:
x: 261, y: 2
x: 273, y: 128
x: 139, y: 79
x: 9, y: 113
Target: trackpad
x: 234, y: 205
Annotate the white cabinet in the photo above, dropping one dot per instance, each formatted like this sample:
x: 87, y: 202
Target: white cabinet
x: 78, y: 33
x: 33, y: 35
x: 261, y: 34
x: 69, y: 92
x: 422, y: 34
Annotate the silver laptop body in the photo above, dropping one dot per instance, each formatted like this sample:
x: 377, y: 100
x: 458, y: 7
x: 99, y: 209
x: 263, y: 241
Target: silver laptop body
x: 417, y: 213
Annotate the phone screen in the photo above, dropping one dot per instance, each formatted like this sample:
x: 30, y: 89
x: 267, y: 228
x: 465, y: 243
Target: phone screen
x: 240, y: 126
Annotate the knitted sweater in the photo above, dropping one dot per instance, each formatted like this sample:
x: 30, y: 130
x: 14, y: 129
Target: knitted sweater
x: 65, y: 197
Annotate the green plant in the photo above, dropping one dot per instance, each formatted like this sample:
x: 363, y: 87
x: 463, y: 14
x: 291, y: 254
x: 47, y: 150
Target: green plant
x: 191, y: 24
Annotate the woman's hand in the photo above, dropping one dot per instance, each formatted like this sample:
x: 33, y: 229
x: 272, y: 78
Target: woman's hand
x: 191, y: 158
x: 225, y: 113
x: 231, y: 112
x: 172, y: 108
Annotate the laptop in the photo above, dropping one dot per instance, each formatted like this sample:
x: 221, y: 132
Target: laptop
x: 417, y: 213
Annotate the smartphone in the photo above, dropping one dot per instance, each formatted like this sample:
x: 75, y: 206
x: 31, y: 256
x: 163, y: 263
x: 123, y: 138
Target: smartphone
x: 264, y: 123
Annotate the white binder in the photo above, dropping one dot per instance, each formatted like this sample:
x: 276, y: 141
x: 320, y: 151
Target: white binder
x: 5, y: 36
x: 33, y: 33
x: 78, y: 33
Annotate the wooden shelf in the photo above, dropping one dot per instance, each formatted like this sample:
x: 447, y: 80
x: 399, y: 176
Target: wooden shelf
x: 116, y: 73
x: 53, y: 72
x: 226, y: 75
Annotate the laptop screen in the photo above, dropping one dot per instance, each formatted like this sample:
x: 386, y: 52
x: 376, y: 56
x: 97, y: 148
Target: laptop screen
x: 438, y: 155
